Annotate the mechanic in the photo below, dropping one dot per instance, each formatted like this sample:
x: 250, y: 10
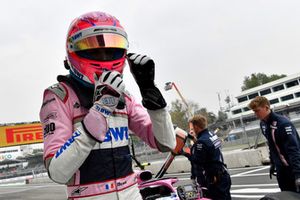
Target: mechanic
x: 284, y: 144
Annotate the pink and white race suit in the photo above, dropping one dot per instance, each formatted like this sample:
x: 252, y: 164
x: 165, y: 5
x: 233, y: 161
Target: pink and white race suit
x: 91, y: 169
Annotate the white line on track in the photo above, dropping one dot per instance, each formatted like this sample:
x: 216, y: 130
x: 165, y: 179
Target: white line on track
x: 243, y: 168
x: 247, y: 196
x: 231, y: 169
x: 254, y: 191
x: 256, y: 185
x: 251, y: 171
x: 247, y: 175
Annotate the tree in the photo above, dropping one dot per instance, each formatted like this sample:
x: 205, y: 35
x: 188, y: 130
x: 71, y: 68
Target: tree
x: 179, y: 114
x: 257, y: 79
x: 222, y: 116
x: 221, y: 123
x: 210, y: 116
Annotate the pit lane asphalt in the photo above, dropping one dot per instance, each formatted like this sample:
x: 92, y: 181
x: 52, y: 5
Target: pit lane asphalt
x: 247, y: 183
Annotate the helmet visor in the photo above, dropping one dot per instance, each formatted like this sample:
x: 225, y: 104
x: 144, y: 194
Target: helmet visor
x: 106, y: 40
x: 102, y: 54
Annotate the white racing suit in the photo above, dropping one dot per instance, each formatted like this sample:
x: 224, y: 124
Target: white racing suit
x: 90, y: 169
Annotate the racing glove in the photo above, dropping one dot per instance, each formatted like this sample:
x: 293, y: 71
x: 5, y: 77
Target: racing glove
x: 185, y: 152
x: 272, y: 170
x: 142, y: 69
x: 108, y: 91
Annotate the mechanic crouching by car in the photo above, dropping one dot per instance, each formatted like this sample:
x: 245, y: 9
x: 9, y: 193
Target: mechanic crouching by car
x: 207, y: 160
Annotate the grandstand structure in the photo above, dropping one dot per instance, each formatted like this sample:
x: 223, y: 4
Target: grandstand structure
x: 24, y: 164
x: 284, y: 97
x: 20, y: 153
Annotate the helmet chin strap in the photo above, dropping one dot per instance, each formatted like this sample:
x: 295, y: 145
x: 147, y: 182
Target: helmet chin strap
x: 66, y: 64
x: 84, y: 83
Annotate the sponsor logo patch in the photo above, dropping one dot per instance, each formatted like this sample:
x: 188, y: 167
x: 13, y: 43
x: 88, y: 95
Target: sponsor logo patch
x: 289, y: 130
x: 109, y: 101
x: 67, y: 144
x: 52, y: 115
x: 76, y: 36
x: 78, y: 191
x: 121, y: 183
x: 77, y: 73
x: 102, y: 110
x: 117, y: 133
x: 263, y: 129
x: 47, y: 102
x: 49, y: 129
x: 199, y: 146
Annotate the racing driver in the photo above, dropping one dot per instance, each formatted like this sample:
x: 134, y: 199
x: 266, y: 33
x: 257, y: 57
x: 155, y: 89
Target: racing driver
x: 87, y: 114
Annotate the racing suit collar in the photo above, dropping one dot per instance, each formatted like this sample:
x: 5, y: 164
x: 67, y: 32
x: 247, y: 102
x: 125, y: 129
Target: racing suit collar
x: 84, y: 93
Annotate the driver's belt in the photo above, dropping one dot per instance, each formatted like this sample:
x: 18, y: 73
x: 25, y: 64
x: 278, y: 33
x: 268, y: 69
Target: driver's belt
x: 101, y: 188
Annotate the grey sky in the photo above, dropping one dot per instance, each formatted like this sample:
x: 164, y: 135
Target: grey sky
x: 205, y: 47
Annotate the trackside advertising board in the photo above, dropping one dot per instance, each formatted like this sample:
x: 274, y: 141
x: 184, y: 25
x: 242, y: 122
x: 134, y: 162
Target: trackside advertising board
x: 14, y: 135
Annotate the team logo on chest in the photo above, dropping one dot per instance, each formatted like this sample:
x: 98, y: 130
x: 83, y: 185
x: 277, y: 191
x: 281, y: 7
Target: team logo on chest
x: 263, y: 127
x: 116, y: 134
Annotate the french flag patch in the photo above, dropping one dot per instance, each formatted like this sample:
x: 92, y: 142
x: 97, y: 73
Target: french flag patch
x: 110, y: 186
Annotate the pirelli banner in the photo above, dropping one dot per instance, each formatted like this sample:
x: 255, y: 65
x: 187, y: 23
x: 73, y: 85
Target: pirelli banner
x: 14, y: 135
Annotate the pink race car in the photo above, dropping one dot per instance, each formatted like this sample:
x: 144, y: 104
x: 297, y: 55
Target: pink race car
x: 160, y: 188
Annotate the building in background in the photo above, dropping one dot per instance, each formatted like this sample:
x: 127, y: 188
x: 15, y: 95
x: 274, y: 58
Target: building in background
x: 284, y: 97
x: 12, y: 153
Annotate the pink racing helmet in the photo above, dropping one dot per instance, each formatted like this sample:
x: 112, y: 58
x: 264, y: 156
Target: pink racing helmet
x: 96, y: 42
